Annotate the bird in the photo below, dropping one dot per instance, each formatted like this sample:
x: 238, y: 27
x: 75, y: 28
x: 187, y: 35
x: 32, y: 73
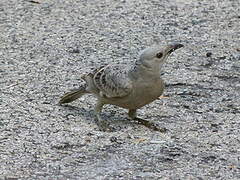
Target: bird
x: 130, y: 86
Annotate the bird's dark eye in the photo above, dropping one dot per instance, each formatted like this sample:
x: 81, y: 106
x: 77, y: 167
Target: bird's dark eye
x: 159, y: 55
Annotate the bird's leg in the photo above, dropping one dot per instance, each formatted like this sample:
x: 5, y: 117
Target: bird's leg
x: 103, y: 126
x: 132, y: 113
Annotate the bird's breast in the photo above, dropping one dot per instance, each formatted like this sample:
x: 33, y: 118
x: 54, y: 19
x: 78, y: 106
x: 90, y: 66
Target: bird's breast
x: 147, y: 92
x: 144, y: 92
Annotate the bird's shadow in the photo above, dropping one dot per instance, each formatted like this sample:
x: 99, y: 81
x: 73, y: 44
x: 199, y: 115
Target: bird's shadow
x: 77, y: 111
x: 108, y: 115
x: 112, y: 121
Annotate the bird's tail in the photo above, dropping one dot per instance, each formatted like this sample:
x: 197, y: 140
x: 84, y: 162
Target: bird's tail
x: 73, y: 95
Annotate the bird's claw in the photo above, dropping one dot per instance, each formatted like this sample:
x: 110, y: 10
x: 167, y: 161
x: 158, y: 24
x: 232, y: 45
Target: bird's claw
x: 150, y: 125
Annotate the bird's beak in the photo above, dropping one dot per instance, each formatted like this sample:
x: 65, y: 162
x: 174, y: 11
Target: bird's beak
x: 173, y: 47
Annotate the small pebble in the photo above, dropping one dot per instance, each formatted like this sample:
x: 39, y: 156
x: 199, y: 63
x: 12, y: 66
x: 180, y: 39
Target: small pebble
x: 209, y: 54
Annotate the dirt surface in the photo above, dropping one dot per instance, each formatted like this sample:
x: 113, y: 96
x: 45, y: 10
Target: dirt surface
x: 44, y: 45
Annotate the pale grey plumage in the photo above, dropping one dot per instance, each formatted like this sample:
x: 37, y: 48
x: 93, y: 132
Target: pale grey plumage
x: 113, y: 81
x: 127, y: 86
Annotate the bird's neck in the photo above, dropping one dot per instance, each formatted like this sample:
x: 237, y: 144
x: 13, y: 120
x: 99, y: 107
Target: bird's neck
x: 145, y: 71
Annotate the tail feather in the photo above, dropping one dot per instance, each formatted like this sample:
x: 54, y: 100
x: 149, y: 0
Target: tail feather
x: 73, y: 95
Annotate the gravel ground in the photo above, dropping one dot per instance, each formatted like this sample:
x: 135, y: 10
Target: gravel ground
x: 44, y: 46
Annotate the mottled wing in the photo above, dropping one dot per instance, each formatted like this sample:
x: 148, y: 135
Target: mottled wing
x: 113, y: 81
x: 90, y: 71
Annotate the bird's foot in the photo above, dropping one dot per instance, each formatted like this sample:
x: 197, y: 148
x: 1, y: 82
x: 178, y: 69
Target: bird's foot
x: 150, y: 125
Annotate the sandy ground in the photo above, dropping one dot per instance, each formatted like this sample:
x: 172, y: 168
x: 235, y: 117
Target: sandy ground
x: 44, y: 46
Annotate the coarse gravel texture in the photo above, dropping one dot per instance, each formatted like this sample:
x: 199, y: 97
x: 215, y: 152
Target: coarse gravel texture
x: 44, y: 47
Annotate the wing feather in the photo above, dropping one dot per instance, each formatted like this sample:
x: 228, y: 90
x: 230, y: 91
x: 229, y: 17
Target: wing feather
x: 113, y: 81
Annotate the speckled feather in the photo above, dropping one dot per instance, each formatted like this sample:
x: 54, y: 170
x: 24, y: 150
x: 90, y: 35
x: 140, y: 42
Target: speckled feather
x: 111, y: 80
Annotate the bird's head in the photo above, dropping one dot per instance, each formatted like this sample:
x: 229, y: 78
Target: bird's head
x: 153, y: 57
